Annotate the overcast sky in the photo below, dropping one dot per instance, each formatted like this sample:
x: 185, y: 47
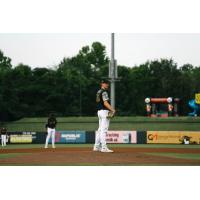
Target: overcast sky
x: 46, y: 50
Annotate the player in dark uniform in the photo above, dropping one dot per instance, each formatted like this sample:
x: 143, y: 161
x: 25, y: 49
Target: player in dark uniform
x: 103, y: 107
x: 3, y: 136
x: 51, y: 130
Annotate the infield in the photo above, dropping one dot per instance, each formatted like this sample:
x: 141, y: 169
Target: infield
x: 82, y: 155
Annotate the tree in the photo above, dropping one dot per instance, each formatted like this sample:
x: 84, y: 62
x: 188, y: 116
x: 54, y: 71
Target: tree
x: 5, y: 63
x: 82, y: 74
x: 70, y: 88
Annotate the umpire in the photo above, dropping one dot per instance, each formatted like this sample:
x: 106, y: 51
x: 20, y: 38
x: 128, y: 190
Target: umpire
x: 104, y: 108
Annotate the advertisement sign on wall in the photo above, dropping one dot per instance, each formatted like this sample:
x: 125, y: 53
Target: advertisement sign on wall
x: 172, y: 137
x: 22, y: 137
x: 70, y: 137
x: 40, y: 137
x: 124, y: 137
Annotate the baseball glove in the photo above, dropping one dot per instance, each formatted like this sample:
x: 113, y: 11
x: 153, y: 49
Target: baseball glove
x: 110, y: 114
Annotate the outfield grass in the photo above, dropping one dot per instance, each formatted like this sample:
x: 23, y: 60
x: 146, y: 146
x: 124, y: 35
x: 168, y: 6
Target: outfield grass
x: 11, y: 155
x: 118, y: 123
x: 177, y: 155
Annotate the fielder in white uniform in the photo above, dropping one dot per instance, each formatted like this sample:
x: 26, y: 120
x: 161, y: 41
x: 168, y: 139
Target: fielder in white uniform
x: 3, y: 137
x: 51, y: 130
x: 103, y: 107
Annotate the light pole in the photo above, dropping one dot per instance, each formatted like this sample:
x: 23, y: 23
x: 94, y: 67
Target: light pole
x: 80, y: 93
x: 113, y: 74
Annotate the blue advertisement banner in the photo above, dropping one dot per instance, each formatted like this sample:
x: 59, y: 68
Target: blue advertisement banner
x: 67, y: 137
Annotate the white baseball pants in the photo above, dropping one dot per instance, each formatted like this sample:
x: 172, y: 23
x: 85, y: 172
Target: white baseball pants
x: 50, y: 134
x: 100, y: 140
x: 3, y: 140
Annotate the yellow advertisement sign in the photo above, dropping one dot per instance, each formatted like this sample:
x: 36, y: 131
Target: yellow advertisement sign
x: 21, y: 139
x: 197, y: 98
x: 172, y: 137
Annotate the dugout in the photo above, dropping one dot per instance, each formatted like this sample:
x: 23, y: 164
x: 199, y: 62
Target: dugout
x: 162, y: 107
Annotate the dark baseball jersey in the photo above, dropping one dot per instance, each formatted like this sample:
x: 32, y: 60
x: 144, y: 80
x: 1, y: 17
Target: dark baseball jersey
x: 51, y: 123
x: 101, y: 96
x: 3, y: 131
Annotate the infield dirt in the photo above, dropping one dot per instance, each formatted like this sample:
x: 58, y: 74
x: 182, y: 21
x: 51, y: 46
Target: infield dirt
x: 83, y: 156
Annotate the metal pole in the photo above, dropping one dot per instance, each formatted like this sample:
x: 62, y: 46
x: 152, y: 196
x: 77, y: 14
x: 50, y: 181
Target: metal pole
x: 112, y: 66
x: 80, y: 93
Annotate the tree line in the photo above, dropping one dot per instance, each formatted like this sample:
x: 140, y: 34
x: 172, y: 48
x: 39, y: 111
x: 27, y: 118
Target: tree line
x: 69, y: 89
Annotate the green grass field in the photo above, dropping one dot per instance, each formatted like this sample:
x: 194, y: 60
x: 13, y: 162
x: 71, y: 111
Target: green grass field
x: 118, y: 123
x: 177, y: 155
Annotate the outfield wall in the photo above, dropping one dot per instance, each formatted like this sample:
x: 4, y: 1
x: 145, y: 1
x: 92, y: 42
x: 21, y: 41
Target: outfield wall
x: 113, y: 137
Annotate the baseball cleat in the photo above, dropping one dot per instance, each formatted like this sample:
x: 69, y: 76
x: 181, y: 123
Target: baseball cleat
x: 106, y: 150
x: 96, y: 149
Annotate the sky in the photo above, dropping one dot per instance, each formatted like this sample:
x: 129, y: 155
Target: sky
x: 48, y: 49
